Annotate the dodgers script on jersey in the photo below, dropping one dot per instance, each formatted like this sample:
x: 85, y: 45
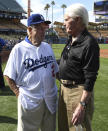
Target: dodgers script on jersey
x: 33, y: 69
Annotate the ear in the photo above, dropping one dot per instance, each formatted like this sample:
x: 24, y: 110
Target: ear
x: 78, y: 19
x: 29, y: 29
x: 29, y: 32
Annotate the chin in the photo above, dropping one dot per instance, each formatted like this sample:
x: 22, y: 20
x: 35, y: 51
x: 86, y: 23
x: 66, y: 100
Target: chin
x: 69, y: 32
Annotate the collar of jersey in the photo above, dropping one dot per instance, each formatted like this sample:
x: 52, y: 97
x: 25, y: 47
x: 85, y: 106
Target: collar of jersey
x: 27, y: 40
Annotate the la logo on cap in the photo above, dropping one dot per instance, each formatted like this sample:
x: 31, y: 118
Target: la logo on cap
x: 42, y: 17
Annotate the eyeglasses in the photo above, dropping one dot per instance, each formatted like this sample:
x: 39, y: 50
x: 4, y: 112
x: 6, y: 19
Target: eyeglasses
x: 66, y: 51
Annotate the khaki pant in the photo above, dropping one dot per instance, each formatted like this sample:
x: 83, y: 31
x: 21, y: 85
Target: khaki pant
x: 32, y: 120
x: 68, y: 101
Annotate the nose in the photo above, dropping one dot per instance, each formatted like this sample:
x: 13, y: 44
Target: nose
x: 64, y: 25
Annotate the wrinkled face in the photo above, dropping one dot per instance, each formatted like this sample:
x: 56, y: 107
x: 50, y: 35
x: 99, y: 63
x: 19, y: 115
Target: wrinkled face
x: 71, y: 24
x: 37, y: 33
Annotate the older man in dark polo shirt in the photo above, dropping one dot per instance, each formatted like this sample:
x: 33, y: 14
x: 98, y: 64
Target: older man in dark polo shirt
x: 79, y: 66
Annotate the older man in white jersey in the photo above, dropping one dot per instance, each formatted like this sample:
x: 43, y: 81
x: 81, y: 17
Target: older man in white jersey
x: 30, y: 73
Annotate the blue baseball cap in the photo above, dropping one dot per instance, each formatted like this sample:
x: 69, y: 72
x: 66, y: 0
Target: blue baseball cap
x: 36, y: 19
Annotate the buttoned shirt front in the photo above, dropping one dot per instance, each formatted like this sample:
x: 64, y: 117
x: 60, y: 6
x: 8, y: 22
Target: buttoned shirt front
x: 80, y: 60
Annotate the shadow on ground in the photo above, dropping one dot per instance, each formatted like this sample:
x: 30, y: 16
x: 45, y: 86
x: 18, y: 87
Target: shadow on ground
x: 6, y: 91
x: 5, y: 119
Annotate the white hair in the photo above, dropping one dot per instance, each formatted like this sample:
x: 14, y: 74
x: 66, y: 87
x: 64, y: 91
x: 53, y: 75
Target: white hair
x: 78, y: 10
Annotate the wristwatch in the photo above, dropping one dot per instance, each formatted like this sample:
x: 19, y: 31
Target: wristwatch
x: 83, y: 104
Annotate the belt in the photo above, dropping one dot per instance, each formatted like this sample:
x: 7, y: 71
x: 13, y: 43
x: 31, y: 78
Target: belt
x: 70, y: 83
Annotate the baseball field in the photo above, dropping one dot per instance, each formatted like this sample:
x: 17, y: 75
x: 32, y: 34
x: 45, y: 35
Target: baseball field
x: 8, y: 101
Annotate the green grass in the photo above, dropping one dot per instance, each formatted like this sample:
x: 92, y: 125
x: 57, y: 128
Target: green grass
x: 8, y: 112
x: 8, y: 102
x: 103, y: 46
x: 57, y: 48
x: 100, y: 120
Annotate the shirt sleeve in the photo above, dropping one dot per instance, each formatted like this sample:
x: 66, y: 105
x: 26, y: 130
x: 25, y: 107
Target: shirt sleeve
x: 91, y: 65
x: 10, y: 69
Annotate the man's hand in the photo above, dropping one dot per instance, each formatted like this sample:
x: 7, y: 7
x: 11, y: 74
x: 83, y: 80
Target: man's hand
x: 16, y: 91
x: 78, y: 115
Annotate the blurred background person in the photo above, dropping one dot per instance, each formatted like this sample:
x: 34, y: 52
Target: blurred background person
x: 2, y: 84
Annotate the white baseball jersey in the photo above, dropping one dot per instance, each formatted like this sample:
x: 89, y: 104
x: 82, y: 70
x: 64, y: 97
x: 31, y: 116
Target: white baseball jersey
x: 33, y: 69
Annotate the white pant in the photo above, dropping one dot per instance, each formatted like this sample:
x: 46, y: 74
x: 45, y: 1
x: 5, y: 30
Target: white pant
x: 39, y: 117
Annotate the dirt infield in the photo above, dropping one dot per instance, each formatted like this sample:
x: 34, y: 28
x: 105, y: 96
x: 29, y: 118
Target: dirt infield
x: 5, y: 54
x: 104, y: 53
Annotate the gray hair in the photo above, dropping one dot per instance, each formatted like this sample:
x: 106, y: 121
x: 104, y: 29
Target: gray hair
x: 78, y: 10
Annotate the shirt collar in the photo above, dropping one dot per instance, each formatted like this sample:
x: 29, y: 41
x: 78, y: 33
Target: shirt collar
x: 27, y: 40
x: 74, y: 38
x: 80, y: 38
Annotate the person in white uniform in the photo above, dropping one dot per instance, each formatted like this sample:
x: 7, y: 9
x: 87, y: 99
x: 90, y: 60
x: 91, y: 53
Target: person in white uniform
x: 30, y: 72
